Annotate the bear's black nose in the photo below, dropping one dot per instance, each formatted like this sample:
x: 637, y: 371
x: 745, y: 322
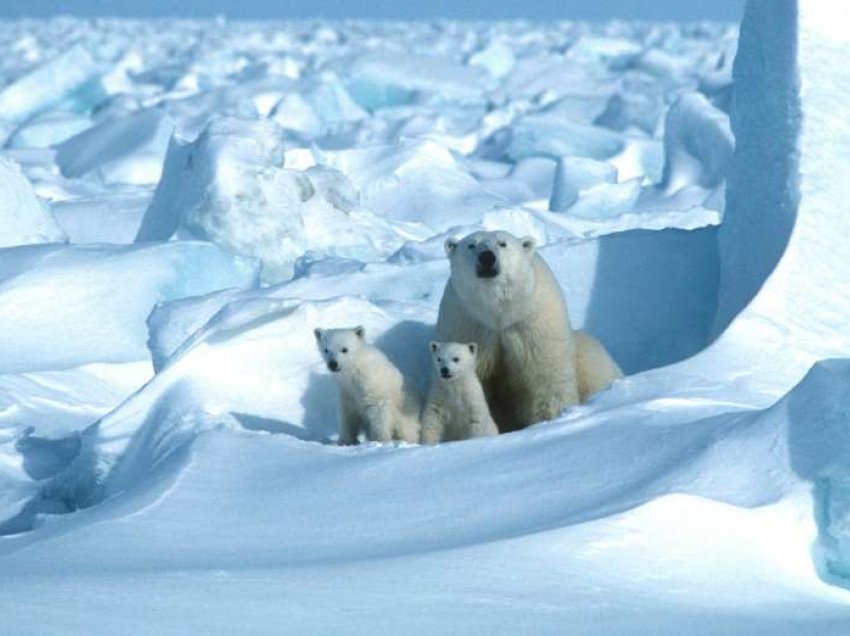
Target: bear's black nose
x: 487, y: 259
x: 444, y: 372
x: 333, y: 365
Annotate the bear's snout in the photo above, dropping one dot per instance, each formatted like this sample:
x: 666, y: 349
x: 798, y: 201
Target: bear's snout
x: 487, y: 259
x: 333, y: 365
x: 487, y: 264
x: 444, y: 372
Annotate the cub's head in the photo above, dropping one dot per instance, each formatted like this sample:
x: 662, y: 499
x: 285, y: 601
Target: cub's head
x: 453, y: 359
x: 337, y: 346
x: 490, y: 255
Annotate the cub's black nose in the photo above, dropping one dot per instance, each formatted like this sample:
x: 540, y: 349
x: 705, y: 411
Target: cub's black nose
x: 487, y: 259
x: 444, y: 372
x: 333, y: 365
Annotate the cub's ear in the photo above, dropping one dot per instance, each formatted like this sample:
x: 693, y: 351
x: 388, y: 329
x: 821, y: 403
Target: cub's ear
x: 473, y: 348
x: 318, y: 333
x: 433, y: 346
x: 450, y: 246
x: 528, y: 243
x: 360, y: 332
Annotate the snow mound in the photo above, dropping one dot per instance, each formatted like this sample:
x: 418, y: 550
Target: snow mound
x: 274, y: 338
x: 23, y: 218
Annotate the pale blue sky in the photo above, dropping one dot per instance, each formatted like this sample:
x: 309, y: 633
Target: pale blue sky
x: 728, y: 10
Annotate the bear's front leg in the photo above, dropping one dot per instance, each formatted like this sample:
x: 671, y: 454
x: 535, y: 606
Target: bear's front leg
x: 381, y: 419
x: 432, y: 427
x: 349, y: 423
x: 547, y: 405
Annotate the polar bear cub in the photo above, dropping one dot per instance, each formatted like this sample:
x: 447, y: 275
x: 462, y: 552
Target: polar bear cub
x: 374, y: 397
x: 456, y: 408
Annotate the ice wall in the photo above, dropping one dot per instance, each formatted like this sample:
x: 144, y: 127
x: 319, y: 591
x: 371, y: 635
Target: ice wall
x: 785, y: 239
x: 762, y: 189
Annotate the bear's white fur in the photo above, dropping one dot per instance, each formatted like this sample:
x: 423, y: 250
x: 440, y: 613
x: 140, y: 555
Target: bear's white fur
x: 374, y: 397
x: 502, y: 295
x: 456, y: 408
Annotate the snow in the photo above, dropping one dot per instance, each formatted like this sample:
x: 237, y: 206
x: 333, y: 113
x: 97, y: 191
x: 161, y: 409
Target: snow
x: 167, y: 426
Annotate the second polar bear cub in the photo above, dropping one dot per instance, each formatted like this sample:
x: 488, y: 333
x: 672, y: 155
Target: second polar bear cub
x: 374, y: 397
x: 456, y: 408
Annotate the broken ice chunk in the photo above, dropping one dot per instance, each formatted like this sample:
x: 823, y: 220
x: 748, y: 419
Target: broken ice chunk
x: 24, y: 220
x: 574, y: 174
x: 47, y: 84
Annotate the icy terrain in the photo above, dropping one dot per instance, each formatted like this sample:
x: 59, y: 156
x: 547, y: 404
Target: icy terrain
x: 184, y: 202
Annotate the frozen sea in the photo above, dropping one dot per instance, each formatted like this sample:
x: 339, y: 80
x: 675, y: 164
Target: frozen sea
x: 183, y: 202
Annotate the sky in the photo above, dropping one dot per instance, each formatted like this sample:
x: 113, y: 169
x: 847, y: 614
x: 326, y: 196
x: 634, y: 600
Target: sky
x: 728, y: 10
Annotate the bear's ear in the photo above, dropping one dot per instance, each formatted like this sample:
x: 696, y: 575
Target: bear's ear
x: 473, y: 348
x: 433, y: 346
x: 360, y: 332
x: 318, y: 333
x: 528, y: 244
x: 450, y: 246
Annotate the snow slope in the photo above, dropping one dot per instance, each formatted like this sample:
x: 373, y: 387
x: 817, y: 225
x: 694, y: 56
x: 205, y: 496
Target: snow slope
x: 165, y: 420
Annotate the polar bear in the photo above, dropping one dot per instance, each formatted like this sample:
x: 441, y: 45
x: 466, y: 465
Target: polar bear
x: 456, y: 408
x: 374, y: 397
x: 502, y: 295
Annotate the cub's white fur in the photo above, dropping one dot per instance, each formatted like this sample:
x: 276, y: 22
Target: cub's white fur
x: 456, y: 407
x: 374, y: 397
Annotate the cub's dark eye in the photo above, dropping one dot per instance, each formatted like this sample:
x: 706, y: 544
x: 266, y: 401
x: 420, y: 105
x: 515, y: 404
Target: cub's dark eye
x: 455, y: 359
x: 471, y: 246
x: 327, y: 351
x: 503, y: 244
x: 344, y: 349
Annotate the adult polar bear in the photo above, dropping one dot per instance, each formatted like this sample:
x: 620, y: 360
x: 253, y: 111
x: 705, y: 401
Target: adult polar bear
x: 502, y: 295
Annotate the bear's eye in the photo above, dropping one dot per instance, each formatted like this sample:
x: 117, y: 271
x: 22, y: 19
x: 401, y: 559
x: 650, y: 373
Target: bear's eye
x: 344, y: 350
x: 471, y: 246
x: 503, y: 244
x: 327, y: 350
x: 455, y: 359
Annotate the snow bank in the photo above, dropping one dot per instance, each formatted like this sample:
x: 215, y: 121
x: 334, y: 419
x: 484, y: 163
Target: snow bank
x: 93, y: 301
x: 23, y: 218
x: 212, y: 380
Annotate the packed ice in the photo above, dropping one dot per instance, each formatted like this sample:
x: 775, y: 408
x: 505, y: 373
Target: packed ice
x: 185, y: 201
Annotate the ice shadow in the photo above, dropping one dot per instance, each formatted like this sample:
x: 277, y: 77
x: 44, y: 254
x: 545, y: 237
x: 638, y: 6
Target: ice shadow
x: 269, y: 425
x: 654, y: 295
x: 42, y: 457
